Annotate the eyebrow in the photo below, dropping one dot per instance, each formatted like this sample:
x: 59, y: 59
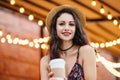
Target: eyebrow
x: 64, y: 21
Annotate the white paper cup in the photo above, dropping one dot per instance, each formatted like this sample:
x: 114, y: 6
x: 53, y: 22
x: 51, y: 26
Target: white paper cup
x: 56, y: 78
x: 58, y: 68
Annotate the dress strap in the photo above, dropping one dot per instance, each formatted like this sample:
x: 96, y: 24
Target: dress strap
x: 78, y: 53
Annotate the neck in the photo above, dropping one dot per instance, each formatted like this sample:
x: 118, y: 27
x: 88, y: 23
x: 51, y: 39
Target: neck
x: 66, y: 44
x: 66, y: 47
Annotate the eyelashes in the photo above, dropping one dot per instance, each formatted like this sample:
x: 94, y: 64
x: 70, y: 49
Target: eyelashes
x: 70, y: 24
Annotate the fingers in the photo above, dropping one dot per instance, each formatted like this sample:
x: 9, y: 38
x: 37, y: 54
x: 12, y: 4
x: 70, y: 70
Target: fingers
x: 49, y: 69
x: 50, y: 74
x: 65, y: 78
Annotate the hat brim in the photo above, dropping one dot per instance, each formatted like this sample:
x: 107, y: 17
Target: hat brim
x: 55, y: 10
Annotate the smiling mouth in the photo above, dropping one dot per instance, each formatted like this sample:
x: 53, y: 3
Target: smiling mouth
x: 66, y: 33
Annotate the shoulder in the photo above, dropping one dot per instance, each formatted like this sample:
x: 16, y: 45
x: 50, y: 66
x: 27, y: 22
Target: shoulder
x: 45, y: 60
x: 87, y: 50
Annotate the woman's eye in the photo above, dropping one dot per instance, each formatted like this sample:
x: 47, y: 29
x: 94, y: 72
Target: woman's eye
x: 72, y: 24
x: 61, y: 24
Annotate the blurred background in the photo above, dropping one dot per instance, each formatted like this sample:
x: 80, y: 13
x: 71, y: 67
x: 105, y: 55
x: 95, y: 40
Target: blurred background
x: 24, y: 37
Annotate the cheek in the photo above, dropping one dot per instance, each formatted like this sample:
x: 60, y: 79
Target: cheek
x: 58, y: 31
x: 74, y: 30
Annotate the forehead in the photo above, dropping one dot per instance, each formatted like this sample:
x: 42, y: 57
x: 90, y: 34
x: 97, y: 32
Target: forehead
x: 65, y: 17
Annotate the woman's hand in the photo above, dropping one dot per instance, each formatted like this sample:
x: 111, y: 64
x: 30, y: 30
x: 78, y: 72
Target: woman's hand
x: 50, y: 75
x: 56, y: 79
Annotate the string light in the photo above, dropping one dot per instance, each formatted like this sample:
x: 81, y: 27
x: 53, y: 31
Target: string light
x: 35, y: 40
x: 8, y: 36
x: 40, y: 22
x: 43, y: 46
x: 110, y: 66
x: 3, y: 40
x: 40, y: 40
x: 21, y: 10
x: 12, y: 2
x: 93, y: 2
x: 109, y: 16
x: 30, y: 17
x: 15, y: 40
x: 102, y: 45
x: 37, y: 45
x: 106, y: 44
x: 115, y: 22
x: 31, y: 44
x: 102, y: 10
x: 45, y: 39
x: 10, y: 41
x: 119, y: 26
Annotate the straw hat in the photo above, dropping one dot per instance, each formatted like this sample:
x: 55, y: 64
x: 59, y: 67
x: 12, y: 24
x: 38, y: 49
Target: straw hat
x: 55, y: 10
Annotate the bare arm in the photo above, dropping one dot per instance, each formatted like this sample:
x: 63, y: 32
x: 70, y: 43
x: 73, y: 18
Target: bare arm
x: 43, y: 68
x: 89, y: 62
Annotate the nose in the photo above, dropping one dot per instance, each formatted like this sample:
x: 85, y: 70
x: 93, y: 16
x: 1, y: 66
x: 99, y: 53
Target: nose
x: 66, y: 27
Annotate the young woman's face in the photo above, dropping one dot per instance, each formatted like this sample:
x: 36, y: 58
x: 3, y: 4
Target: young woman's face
x: 65, y: 27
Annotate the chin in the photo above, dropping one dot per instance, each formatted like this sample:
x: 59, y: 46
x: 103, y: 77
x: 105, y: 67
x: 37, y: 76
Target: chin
x: 67, y: 39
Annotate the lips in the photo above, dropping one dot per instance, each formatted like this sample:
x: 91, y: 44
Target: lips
x: 66, y: 33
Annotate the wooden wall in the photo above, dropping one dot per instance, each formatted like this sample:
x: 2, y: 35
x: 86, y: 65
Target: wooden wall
x: 18, y: 62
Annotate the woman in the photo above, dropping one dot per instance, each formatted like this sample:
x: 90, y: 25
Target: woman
x: 68, y: 41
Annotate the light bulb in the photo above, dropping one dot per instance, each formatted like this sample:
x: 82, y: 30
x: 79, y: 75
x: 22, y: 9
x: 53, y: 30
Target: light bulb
x: 30, y: 17
x: 102, y: 10
x: 115, y: 22
x: 93, y: 2
x: 109, y: 16
x: 22, y: 10
x: 40, y: 22
x: 12, y: 2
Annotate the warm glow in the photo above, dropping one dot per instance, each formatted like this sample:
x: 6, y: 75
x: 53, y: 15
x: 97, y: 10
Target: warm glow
x: 102, y: 10
x: 30, y: 17
x: 106, y: 44
x: 35, y: 40
x: 15, y: 40
x: 12, y: 2
x: 102, y: 45
x: 21, y: 10
x: 40, y: 22
x: 43, y: 46
x: 26, y: 41
x: 8, y: 36
x: 119, y: 26
x: 45, y: 39
x: 40, y: 40
x: 92, y: 44
x: 96, y: 45
x: 109, y: 16
x: 110, y: 66
x: 20, y: 42
x: 1, y: 33
x: 37, y: 45
x: 118, y: 41
x: 93, y: 2
x: 114, y: 42
x: 115, y: 22
x: 31, y: 44
x: 10, y: 41
x: 3, y: 40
